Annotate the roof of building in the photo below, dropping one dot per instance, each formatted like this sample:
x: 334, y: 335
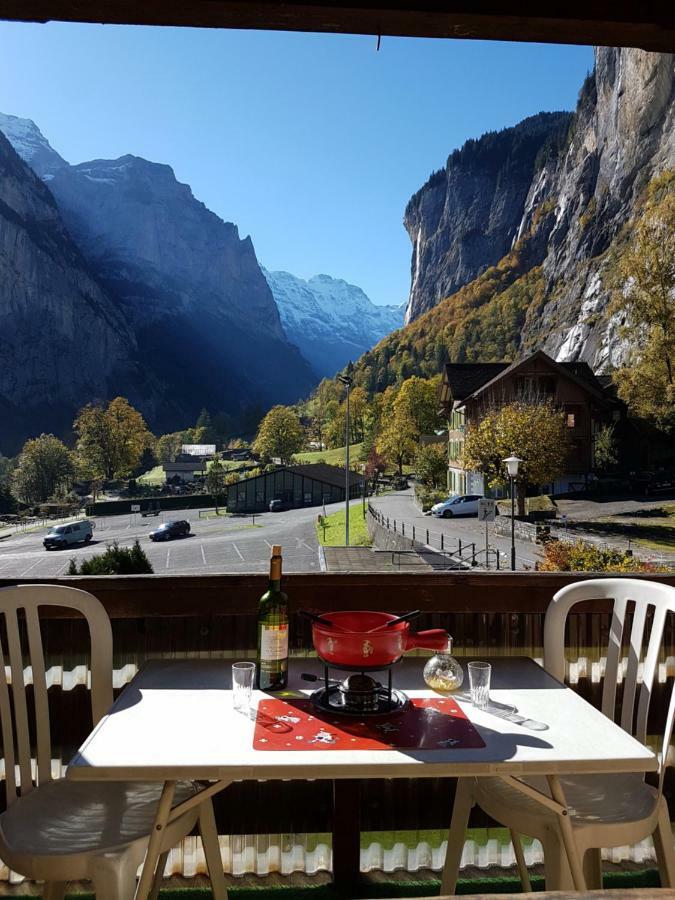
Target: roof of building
x: 465, y: 378
x: 322, y: 472
x: 183, y: 466
x: 326, y: 473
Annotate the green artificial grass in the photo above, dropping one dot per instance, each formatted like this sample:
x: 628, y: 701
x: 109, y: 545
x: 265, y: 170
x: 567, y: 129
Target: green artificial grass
x: 333, y: 534
x: 645, y: 878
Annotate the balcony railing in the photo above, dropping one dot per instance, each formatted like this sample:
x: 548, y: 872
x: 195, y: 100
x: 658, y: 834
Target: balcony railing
x: 282, y: 826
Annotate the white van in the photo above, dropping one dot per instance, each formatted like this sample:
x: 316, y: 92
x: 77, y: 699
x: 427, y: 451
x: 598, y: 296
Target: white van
x: 61, y: 536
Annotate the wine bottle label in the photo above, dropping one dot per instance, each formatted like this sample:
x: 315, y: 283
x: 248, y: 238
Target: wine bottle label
x: 273, y: 642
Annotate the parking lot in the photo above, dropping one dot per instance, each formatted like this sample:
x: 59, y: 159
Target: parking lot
x: 216, y: 544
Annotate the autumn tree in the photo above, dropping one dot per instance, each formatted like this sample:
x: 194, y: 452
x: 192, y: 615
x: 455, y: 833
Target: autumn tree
x: 319, y: 411
x: 431, y: 464
x: 215, y: 481
x: 280, y: 435
x: 45, y: 464
x: 645, y: 300
x: 407, y: 413
x: 7, y: 500
x: 605, y: 450
x: 168, y: 446
x: 111, y: 439
x: 375, y: 465
x: 203, y: 430
x: 535, y: 432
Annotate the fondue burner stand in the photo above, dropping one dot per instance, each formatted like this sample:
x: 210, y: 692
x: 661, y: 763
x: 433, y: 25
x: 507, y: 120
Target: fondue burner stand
x: 359, y: 694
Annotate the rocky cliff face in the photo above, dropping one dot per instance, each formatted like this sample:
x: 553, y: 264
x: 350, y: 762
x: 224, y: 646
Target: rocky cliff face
x: 467, y: 215
x: 330, y: 320
x: 64, y: 341
x: 623, y: 135
x: 200, y: 316
x: 192, y: 289
x: 585, y: 183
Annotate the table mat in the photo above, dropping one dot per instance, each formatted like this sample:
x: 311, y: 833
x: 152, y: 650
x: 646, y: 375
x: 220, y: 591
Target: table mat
x: 426, y: 724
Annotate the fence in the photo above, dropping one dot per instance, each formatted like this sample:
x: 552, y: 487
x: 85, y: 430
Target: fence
x: 452, y: 552
x: 30, y: 522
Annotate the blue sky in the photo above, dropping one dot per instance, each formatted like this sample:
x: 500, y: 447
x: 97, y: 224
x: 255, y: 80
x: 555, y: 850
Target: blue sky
x: 312, y: 144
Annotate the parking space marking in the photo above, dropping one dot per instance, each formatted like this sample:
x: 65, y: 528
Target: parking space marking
x: 201, y: 547
x: 26, y: 571
x: 268, y: 544
x: 168, y: 557
x: 237, y: 552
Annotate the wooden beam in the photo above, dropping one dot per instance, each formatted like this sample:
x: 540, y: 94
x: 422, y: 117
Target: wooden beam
x: 650, y: 25
x: 147, y: 596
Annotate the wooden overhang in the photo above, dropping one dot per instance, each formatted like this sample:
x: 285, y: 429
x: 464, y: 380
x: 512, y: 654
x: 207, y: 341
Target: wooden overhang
x: 622, y: 23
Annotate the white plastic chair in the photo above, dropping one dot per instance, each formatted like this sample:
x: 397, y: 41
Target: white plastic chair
x: 56, y: 830
x: 603, y: 810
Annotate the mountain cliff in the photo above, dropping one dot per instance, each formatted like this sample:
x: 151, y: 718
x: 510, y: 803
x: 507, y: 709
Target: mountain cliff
x: 552, y: 285
x: 330, y: 320
x: 465, y: 218
x: 623, y: 136
x: 64, y: 341
x: 200, y: 316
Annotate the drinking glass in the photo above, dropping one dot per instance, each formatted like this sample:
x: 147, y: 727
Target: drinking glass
x: 479, y: 681
x: 243, y: 676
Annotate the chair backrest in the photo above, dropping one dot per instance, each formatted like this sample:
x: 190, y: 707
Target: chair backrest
x: 14, y: 717
x: 645, y: 598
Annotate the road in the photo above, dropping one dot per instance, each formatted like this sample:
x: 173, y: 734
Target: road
x: 399, y: 506
x: 222, y: 544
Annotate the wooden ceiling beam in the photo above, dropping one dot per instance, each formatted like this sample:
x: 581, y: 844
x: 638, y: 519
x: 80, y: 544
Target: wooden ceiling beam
x: 649, y: 25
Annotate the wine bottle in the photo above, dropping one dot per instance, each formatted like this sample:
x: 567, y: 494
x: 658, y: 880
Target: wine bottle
x: 273, y: 631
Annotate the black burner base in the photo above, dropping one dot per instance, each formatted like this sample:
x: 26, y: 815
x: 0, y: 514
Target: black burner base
x: 379, y: 702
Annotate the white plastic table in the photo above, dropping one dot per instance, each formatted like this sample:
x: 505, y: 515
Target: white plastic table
x: 175, y: 721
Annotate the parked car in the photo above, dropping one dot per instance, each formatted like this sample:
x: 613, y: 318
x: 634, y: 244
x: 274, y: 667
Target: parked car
x: 279, y: 505
x: 61, y: 536
x: 169, y: 530
x: 464, y: 505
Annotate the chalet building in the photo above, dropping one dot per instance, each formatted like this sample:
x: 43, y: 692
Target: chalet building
x: 185, y: 468
x: 469, y: 389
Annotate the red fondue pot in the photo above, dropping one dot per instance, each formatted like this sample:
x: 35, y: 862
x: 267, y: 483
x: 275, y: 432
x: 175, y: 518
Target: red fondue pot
x: 350, y: 641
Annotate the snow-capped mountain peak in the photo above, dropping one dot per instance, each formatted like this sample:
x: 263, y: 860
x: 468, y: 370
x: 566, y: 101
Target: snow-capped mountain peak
x: 31, y: 145
x: 330, y: 320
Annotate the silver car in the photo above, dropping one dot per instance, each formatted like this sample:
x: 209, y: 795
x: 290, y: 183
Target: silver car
x: 464, y: 505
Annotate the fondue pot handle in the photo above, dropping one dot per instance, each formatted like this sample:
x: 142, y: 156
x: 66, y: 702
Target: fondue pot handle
x: 433, y: 639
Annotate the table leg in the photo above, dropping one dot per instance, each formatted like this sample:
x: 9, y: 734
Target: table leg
x: 457, y: 834
x: 153, y: 854
x: 346, y: 832
x: 567, y: 834
x: 214, y: 863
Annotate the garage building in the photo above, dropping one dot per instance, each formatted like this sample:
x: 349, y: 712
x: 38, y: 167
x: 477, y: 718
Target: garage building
x: 308, y: 485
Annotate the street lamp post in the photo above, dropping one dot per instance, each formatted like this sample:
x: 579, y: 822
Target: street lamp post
x: 347, y: 381
x: 512, y: 463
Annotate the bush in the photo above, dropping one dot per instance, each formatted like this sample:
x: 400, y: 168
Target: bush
x: 115, y: 561
x: 562, y: 556
x: 426, y: 497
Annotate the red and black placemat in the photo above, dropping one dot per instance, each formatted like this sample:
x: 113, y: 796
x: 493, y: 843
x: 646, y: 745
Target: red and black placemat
x: 426, y: 724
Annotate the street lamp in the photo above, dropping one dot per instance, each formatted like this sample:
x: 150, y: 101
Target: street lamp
x: 512, y: 463
x: 347, y: 381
